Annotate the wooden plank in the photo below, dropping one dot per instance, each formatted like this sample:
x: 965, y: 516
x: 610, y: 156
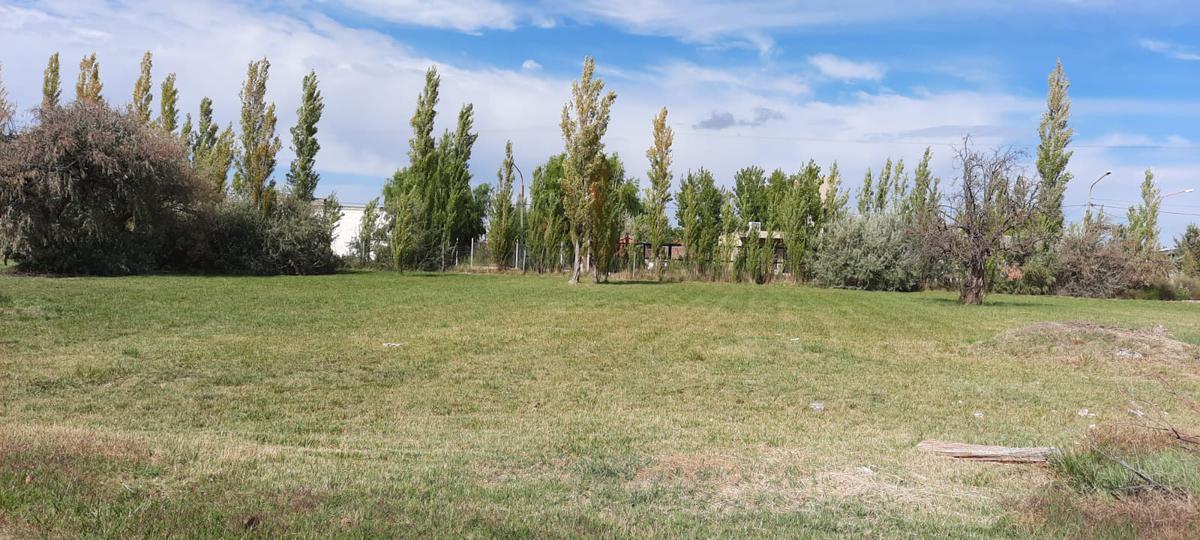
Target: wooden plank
x: 980, y: 452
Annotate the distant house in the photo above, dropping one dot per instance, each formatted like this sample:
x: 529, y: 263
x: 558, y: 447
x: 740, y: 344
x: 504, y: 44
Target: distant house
x: 672, y: 250
x: 347, y: 228
x: 755, y: 234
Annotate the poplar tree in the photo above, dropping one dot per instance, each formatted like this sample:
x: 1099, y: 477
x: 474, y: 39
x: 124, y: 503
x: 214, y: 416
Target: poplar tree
x: 1143, y: 218
x: 502, y: 225
x: 866, y: 195
x: 140, y: 106
x: 923, y: 201
x: 51, y: 84
x: 920, y: 212
x: 401, y: 239
x: 833, y: 201
x: 212, y: 150
x: 206, y: 129
x: 730, y: 229
x: 899, y: 189
x: 1053, y: 156
x: 259, y: 144
x: 800, y: 217
x: 882, y: 186
x: 699, y: 216
x: 168, y: 116
x: 457, y: 222
x: 546, y: 226
x: 584, y: 123
x: 363, y: 244
x: 750, y: 195
x: 1187, y: 251
x: 410, y: 194
x: 88, y: 86
x: 779, y: 184
x: 303, y: 177
x: 185, y: 132
x: 656, y: 226
x: 620, y: 201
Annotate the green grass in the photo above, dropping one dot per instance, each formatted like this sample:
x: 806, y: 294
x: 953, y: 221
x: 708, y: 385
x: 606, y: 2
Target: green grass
x: 521, y: 406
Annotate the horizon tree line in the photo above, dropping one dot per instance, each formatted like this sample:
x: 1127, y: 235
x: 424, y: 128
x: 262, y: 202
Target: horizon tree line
x: 583, y: 198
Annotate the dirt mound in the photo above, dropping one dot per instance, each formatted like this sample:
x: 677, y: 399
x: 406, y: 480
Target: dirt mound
x: 1085, y: 344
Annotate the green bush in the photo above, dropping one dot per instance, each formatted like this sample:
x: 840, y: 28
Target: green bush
x: 1190, y: 286
x: 1096, y: 260
x: 1036, y: 276
x: 1162, y: 289
x: 89, y: 190
x: 236, y: 237
x: 867, y: 252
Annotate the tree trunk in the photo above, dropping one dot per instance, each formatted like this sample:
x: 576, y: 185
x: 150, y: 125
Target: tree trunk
x: 658, y: 262
x: 974, y: 284
x: 576, y: 266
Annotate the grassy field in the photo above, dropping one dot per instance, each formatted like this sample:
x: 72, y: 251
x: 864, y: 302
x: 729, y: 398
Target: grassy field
x: 461, y: 405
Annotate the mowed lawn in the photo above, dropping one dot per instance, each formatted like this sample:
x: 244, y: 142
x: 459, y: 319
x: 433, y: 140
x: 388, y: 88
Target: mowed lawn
x: 383, y: 404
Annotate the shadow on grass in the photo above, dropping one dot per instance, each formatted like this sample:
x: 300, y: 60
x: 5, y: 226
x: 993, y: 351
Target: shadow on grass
x: 637, y: 282
x: 987, y: 302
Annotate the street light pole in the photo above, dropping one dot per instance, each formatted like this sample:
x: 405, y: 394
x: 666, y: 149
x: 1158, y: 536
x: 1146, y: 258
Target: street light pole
x: 1087, y: 217
x: 1180, y: 192
x: 521, y: 260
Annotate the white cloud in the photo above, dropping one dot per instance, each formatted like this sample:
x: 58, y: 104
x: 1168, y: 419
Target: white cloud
x: 702, y: 78
x: 1170, y: 50
x: 530, y: 65
x: 462, y: 15
x: 836, y: 67
x: 751, y: 23
x: 369, y: 80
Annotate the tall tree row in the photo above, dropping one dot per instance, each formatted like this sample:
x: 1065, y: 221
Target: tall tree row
x: 434, y: 211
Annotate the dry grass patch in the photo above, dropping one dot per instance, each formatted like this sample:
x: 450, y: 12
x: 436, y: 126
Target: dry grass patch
x: 685, y: 469
x: 1062, y: 514
x: 1121, y: 481
x: 65, y: 444
x: 1143, y: 352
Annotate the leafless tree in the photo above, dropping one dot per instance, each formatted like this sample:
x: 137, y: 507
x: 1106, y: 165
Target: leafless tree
x: 994, y: 201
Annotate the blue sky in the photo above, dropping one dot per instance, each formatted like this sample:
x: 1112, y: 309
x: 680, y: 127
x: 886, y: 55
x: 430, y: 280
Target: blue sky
x: 768, y: 83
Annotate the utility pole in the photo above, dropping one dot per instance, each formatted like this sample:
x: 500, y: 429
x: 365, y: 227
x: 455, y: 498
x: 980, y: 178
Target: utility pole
x: 1087, y: 216
x: 521, y: 237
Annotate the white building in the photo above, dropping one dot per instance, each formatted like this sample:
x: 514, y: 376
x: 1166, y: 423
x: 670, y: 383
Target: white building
x: 347, y: 228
